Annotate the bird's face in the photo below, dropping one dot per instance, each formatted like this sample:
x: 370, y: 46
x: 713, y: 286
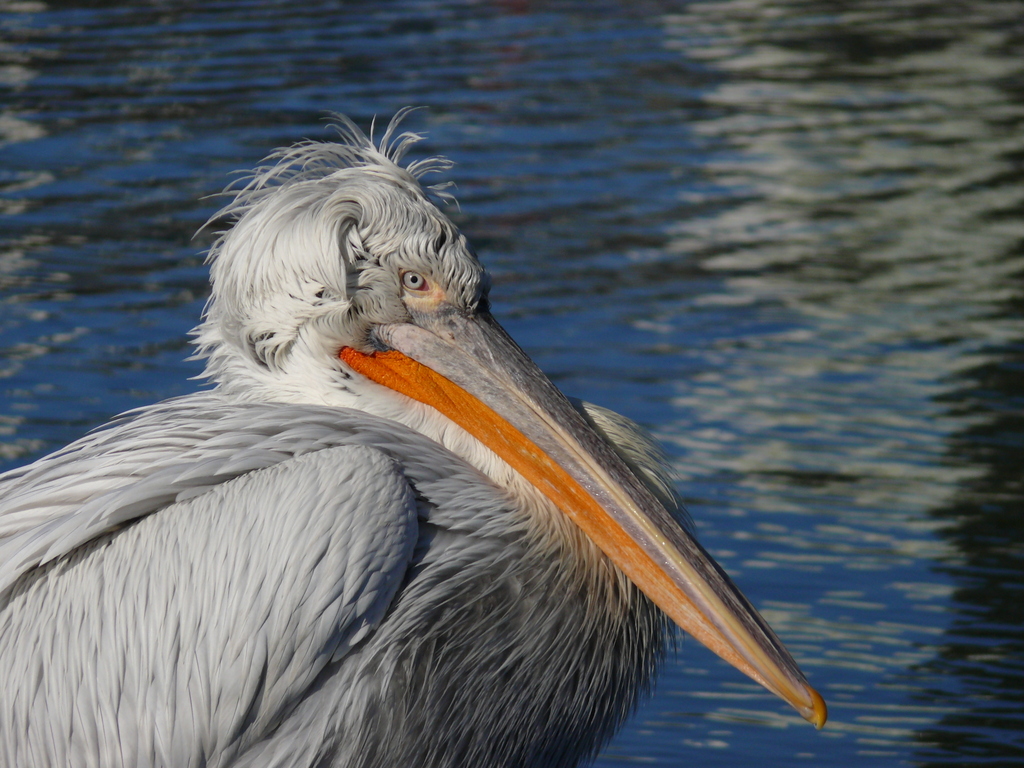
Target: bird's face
x: 350, y: 288
x: 414, y: 273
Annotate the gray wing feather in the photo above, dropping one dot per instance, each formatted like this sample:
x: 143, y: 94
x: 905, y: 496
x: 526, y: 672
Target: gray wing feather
x: 640, y: 452
x: 298, y: 562
x: 116, y: 551
x: 171, y: 452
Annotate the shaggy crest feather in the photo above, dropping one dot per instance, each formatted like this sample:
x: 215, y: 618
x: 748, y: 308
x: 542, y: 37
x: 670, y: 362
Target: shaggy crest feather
x: 311, y: 160
x: 301, y: 226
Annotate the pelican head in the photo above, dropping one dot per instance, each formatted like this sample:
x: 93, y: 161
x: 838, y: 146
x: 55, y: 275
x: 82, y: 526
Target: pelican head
x: 341, y: 283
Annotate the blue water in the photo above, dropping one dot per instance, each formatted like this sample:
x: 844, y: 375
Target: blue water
x: 787, y: 238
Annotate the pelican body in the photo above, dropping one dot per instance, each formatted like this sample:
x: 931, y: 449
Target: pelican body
x: 383, y: 538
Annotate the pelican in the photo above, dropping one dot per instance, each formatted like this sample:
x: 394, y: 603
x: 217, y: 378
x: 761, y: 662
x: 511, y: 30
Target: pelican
x: 382, y: 538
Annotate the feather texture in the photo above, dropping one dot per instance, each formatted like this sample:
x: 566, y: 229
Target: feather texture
x: 294, y: 526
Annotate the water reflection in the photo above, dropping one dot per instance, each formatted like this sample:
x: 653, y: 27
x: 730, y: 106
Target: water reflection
x: 879, y: 256
x: 979, y: 660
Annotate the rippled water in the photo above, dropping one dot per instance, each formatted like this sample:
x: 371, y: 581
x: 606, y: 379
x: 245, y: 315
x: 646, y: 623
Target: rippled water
x: 787, y: 238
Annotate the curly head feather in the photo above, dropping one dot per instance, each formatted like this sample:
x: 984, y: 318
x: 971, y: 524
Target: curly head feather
x: 312, y: 227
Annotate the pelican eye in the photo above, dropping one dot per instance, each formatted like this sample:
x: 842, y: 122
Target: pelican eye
x: 414, y: 281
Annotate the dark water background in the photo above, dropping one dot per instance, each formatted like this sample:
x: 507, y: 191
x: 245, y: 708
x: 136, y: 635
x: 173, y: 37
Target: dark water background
x: 786, y: 236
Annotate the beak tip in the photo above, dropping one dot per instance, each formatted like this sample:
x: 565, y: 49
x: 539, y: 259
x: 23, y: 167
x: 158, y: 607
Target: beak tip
x: 817, y: 713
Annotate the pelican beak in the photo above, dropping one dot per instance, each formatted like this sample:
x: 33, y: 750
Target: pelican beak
x: 470, y: 370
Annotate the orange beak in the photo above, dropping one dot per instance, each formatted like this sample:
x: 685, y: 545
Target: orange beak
x: 487, y: 385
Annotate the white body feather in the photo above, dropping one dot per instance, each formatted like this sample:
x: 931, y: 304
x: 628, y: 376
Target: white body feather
x: 233, y: 623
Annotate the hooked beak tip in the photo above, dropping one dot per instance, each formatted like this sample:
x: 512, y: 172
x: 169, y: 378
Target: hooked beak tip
x: 817, y: 713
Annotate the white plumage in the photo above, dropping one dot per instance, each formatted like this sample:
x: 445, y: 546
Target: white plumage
x: 338, y: 557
